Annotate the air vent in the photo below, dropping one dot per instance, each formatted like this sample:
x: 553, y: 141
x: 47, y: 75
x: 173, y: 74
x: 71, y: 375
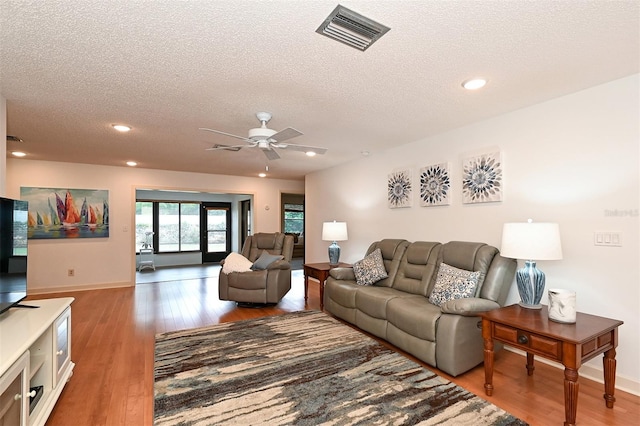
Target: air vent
x: 351, y: 28
x: 13, y: 139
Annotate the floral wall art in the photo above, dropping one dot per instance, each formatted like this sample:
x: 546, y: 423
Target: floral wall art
x: 67, y: 213
x: 435, y: 185
x: 482, y: 178
x: 399, y: 190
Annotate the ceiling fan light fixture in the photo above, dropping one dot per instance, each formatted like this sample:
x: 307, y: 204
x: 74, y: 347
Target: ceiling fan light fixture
x: 261, y: 133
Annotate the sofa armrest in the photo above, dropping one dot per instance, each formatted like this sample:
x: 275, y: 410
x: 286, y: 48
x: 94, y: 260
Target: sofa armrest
x: 279, y: 264
x: 471, y: 306
x: 345, y: 274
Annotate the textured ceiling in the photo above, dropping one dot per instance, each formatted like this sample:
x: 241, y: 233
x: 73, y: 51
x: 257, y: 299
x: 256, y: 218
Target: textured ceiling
x: 71, y: 68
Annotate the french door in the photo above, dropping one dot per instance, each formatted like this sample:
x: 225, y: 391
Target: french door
x: 216, y: 231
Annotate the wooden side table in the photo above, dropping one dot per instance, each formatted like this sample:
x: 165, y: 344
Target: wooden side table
x: 319, y: 271
x: 532, y: 331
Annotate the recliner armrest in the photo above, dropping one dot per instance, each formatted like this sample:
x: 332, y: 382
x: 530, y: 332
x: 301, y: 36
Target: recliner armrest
x: 279, y: 264
x: 469, y: 307
x: 344, y: 273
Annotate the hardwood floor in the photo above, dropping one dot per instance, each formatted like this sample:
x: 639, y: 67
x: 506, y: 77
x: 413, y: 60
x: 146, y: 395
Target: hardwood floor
x: 113, y: 342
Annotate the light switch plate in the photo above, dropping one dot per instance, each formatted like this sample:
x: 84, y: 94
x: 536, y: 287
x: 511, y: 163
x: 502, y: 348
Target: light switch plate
x: 607, y: 238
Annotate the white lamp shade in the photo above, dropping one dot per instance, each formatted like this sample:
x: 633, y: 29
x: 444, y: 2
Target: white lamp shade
x: 531, y: 241
x: 334, y: 231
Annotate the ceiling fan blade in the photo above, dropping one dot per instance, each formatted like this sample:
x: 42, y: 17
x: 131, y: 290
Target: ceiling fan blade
x: 226, y: 134
x: 302, y: 148
x: 218, y: 147
x: 286, y: 134
x: 271, y: 154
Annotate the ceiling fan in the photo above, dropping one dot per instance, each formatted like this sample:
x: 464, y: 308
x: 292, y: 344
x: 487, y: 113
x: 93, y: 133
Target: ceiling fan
x: 266, y: 139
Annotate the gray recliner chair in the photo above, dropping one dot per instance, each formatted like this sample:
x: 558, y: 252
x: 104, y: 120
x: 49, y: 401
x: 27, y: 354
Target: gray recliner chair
x: 265, y: 286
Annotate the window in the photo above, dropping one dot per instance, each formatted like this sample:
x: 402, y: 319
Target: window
x: 144, y: 223
x: 294, y: 218
x: 175, y: 225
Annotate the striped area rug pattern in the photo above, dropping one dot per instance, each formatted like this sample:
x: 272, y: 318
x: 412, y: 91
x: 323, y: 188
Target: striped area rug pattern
x: 302, y: 368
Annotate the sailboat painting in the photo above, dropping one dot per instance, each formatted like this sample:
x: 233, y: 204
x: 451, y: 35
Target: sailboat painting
x: 66, y: 213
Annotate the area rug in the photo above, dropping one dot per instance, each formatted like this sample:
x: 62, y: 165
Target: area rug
x: 302, y: 368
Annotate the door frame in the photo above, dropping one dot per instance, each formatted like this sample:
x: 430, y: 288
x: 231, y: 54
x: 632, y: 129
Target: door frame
x: 212, y: 257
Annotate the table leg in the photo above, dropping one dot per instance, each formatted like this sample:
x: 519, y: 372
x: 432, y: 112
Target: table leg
x: 530, y: 366
x: 570, y: 396
x: 609, y: 364
x: 488, y: 360
x: 306, y: 287
x: 321, y: 283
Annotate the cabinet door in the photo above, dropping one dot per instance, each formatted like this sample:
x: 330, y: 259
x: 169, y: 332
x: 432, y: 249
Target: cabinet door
x: 14, y: 398
x: 61, y: 345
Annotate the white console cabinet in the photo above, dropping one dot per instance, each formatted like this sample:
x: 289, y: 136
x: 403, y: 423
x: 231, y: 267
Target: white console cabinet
x: 35, y: 360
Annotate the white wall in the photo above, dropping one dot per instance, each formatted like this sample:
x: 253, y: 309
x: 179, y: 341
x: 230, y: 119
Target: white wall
x: 571, y: 160
x: 110, y: 262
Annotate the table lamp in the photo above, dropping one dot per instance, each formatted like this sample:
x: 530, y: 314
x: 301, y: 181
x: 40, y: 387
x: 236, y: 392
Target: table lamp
x: 530, y: 242
x: 334, y: 231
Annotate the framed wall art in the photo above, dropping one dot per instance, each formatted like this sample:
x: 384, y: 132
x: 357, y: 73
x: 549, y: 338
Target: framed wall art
x: 482, y: 180
x: 399, y: 189
x: 435, y: 185
x: 67, y: 213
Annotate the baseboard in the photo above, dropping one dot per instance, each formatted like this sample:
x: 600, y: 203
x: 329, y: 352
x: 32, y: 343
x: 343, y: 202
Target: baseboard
x: 588, y: 372
x: 66, y: 289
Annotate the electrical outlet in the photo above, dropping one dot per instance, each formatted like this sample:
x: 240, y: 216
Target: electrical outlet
x: 71, y: 272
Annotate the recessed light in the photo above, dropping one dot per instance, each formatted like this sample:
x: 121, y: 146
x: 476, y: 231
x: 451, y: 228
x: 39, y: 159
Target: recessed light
x: 365, y: 153
x: 132, y: 163
x: 262, y: 174
x: 121, y: 127
x: 18, y: 154
x: 474, y: 83
x: 311, y: 154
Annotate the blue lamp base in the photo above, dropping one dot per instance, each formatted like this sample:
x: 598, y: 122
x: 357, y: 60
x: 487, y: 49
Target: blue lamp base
x: 530, y: 281
x: 334, y: 254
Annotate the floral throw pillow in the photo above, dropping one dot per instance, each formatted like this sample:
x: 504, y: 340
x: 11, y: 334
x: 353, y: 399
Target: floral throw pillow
x: 371, y: 269
x: 453, y: 283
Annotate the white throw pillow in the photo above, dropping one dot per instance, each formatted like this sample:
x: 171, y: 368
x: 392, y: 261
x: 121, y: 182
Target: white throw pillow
x: 236, y: 263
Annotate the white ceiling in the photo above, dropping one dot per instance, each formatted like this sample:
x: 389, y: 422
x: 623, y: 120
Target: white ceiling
x: 71, y: 68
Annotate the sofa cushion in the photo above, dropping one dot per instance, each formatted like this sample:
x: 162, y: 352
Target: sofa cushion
x: 418, y: 268
x: 236, y: 262
x: 453, y: 283
x: 414, y: 315
x: 371, y: 269
x: 372, y: 300
x: 265, y: 260
x: 392, y: 251
x: 341, y: 292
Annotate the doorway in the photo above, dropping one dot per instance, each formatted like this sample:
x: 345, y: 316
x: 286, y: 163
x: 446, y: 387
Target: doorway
x: 216, y: 231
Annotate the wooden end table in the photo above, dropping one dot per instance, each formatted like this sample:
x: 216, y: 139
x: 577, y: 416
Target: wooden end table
x: 532, y: 331
x: 319, y: 271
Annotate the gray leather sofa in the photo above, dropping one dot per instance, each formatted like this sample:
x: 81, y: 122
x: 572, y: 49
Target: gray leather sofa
x: 266, y: 286
x: 398, y: 310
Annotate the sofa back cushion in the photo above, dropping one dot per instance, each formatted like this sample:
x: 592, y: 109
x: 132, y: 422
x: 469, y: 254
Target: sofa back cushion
x: 470, y: 256
x: 392, y: 251
x: 274, y: 243
x: 418, y: 267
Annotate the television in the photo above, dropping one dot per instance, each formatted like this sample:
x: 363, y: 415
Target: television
x: 14, y: 216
